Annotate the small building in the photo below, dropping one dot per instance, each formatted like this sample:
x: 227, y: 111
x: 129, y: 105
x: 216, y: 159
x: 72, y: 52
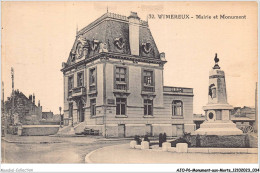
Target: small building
x: 113, y: 82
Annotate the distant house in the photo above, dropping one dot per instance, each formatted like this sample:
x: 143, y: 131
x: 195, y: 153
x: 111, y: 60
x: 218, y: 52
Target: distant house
x: 243, y: 116
x: 47, y: 115
x: 24, y: 111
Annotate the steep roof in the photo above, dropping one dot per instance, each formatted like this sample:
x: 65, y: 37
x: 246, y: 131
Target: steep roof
x: 110, y: 33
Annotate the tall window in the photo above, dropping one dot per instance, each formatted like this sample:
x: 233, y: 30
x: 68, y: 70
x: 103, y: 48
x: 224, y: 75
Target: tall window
x: 148, y: 83
x: 148, y: 107
x: 93, y: 107
x: 120, y: 106
x: 120, y: 78
x: 80, y: 79
x: 177, y: 108
x: 70, y: 83
x: 92, y: 79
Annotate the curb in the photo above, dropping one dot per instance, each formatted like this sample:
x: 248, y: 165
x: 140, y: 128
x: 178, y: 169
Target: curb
x: 22, y: 142
x: 87, y: 157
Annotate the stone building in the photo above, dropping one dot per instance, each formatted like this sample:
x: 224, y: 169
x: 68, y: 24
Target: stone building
x: 25, y: 111
x: 113, y: 82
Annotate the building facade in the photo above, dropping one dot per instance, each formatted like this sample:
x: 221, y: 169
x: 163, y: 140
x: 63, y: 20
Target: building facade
x: 113, y: 82
x: 24, y: 110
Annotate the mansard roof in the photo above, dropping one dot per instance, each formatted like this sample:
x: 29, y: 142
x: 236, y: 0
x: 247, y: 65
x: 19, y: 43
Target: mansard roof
x: 110, y: 33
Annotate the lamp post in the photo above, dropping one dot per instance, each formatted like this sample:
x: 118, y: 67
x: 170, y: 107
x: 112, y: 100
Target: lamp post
x: 60, y: 115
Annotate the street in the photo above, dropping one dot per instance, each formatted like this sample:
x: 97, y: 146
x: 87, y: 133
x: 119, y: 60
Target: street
x: 64, y: 152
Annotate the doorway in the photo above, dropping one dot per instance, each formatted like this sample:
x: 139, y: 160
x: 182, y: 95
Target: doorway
x: 81, y: 114
x: 149, y: 130
x: 121, y: 130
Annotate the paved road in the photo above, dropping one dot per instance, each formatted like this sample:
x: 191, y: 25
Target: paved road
x: 65, y: 152
x: 123, y: 154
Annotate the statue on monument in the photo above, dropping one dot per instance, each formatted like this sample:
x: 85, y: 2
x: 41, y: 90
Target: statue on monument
x: 216, y: 59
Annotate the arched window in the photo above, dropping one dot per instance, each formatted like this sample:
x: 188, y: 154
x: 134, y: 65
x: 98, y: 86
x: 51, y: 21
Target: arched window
x: 177, y: 108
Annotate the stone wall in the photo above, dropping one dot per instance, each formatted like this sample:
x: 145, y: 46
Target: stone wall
x: 38, y: 130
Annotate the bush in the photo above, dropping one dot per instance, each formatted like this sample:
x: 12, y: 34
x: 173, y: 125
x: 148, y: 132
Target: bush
x: 138, y: 140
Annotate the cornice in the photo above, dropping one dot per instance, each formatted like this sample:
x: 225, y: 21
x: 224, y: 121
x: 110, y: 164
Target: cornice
x: 107, y: 55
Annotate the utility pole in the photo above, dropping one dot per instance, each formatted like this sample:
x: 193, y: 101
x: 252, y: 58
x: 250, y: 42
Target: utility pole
x: 255, y: 125
x: 4, y: 117
x: 12, y: 109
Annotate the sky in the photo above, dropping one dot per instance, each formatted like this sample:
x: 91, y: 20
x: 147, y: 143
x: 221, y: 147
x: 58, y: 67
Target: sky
x: 38, y: 36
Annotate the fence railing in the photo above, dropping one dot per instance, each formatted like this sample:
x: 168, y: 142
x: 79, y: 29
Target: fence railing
x: 177, y: 89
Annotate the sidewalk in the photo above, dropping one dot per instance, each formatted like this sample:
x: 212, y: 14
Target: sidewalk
x: 123, y: 154
x: 57, y: 139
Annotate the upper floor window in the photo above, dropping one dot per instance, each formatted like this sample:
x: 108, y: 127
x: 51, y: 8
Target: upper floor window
x: 148, y: 80
x: 148, y: 107
x: 70, y: 83
x: 93, y: 107
x: 120, y: 106
x: 80, y: 79
x: 92, y: 79
x: 121, y: 78
x: 177, y: 108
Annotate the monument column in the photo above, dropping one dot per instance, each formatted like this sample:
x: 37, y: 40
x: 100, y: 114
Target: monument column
x: 218, y: 120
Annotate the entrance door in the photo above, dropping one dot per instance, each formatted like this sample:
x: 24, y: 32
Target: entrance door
x: 149, y: 130
x: 121, y: 130
x: 81, y: 114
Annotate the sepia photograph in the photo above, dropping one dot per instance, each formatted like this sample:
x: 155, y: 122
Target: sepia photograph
x: 135, y: 82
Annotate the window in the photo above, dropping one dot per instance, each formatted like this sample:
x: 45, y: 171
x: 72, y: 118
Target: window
x: 121, y: 78
x: 70, y: 85
x: 177, y: 108
x: 120, y: 106
x: 92, y: 79
x: 148, y: 107
x: 148, y: 81
x: 93, y: 107
x: 80, y: 79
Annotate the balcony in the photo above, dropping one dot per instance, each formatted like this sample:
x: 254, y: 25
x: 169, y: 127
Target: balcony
x: 148, y: 88
x: 121, y: 86
x: 75, y: 92
x: 177, y: 90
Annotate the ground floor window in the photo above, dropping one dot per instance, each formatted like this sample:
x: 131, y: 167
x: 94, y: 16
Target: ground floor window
x: 93, y: 107
x: 148, y: 107
x: 120, y: 106
x: 177, y: 108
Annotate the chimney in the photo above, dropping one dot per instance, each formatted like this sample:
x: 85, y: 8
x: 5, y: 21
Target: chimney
x: 33, y: 99
x: 134, y: 22
x: 30, y: 98
x: 39, y: 104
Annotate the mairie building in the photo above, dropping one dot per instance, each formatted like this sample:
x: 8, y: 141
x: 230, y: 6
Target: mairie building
x: 113, y: 82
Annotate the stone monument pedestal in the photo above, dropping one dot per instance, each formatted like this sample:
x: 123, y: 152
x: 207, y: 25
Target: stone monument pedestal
x: 222, y: 128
